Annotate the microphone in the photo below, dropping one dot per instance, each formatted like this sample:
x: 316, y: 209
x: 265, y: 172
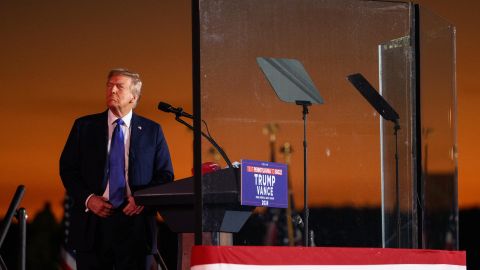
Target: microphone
x: 162, y: 106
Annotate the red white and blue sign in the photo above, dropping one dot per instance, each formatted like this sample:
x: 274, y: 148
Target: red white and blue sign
x: 264, y: 184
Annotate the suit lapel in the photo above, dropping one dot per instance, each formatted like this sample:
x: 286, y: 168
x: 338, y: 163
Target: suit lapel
x: 135, y: 137
x: 103, y: 126
x: 135, y: 132
x: 102, y: 130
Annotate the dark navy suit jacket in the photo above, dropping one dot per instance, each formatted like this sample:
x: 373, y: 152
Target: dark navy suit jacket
x: 83, y: 172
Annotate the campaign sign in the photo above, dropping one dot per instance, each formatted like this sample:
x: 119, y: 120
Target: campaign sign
x: 264, y: 184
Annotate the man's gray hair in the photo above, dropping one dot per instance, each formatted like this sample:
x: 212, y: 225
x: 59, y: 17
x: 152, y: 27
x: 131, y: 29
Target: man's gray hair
x: 136, y: 87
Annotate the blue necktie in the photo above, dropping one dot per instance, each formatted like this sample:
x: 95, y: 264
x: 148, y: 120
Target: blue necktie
x: 117, y: 166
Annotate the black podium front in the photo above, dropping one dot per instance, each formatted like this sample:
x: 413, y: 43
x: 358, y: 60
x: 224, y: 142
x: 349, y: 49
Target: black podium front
x: 222, y: 209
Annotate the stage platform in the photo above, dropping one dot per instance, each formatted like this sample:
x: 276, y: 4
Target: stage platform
x: 321, y: 258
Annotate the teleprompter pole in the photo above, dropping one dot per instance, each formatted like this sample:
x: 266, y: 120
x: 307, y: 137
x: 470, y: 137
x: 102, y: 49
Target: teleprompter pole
x: 306, y: 213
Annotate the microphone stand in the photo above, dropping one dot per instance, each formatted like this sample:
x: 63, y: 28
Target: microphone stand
x: 210, y: 139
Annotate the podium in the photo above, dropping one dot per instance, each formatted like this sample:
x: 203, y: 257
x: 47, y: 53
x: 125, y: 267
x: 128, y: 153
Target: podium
x: 222, y: 212
x: 222, y: 209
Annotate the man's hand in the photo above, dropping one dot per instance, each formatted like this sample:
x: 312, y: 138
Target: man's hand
x: 132, y: 208
x: 100, y: 206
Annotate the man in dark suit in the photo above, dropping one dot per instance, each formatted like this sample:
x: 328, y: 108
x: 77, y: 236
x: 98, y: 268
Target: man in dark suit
x: 103, y: 162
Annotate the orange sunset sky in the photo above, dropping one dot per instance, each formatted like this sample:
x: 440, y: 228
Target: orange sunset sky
x: 54, y: 56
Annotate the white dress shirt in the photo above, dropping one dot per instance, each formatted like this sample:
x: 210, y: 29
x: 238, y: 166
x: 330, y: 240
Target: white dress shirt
x: 127, y: 119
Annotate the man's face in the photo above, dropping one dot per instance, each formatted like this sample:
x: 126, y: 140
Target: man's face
x: 119, y: 94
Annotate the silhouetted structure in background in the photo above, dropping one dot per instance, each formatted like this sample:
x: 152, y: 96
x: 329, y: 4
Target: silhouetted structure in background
x: 43, y: 242
x: 469, y: 223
